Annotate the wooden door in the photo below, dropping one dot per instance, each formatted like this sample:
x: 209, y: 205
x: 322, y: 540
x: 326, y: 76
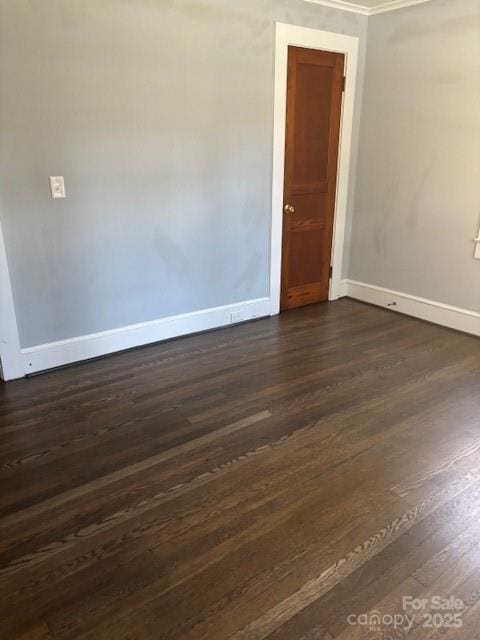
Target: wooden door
x: 314, y: 102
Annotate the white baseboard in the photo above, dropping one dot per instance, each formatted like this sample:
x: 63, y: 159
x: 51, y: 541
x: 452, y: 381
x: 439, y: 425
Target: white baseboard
x: 436, y: 312
x: 343, y: 289
x: 55, y: 354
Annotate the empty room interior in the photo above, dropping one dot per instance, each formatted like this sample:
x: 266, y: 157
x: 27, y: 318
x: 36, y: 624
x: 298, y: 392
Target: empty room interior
x: 239, y: 319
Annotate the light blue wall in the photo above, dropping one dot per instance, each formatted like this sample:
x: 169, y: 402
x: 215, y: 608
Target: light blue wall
x: 159, y: 113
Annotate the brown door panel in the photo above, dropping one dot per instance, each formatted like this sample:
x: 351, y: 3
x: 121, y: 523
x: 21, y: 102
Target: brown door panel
x: 314, y: 102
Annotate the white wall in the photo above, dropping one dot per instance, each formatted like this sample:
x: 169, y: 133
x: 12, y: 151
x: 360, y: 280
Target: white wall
x: 417, y: 205
x: 11, y: 363
x: 160, y: 116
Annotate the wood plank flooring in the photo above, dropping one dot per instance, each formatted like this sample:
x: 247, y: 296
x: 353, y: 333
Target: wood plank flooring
x: 272, y: 480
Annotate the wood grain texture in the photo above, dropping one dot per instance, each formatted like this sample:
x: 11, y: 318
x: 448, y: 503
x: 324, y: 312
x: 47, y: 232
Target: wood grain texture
x: 314, y: 105
x: 262, y: 481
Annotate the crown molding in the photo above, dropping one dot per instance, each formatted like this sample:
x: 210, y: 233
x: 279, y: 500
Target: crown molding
x: 393, y: 5
x: 344, y: 5
x: 340, y: 4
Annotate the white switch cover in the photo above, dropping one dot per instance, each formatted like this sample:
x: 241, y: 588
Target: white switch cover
x: 57, y: 187
x: 477, y: 246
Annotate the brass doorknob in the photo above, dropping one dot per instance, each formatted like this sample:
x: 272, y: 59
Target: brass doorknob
x: 288, y: 208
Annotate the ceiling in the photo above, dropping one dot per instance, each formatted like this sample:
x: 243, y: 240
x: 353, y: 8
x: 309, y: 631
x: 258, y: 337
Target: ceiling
x: 368, y: 7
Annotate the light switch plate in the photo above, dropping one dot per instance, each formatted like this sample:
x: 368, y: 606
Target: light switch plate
x: 57, y: 187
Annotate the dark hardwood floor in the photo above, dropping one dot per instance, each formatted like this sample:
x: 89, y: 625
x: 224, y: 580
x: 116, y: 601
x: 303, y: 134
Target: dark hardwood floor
x: 270, y: 480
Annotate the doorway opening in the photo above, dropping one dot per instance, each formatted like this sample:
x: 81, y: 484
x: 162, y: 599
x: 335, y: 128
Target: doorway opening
x: 315, y: 81
x: 315, y: 71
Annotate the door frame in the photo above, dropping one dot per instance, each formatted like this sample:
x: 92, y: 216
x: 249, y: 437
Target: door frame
x: 11, y: 360
x: 290, y: 35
